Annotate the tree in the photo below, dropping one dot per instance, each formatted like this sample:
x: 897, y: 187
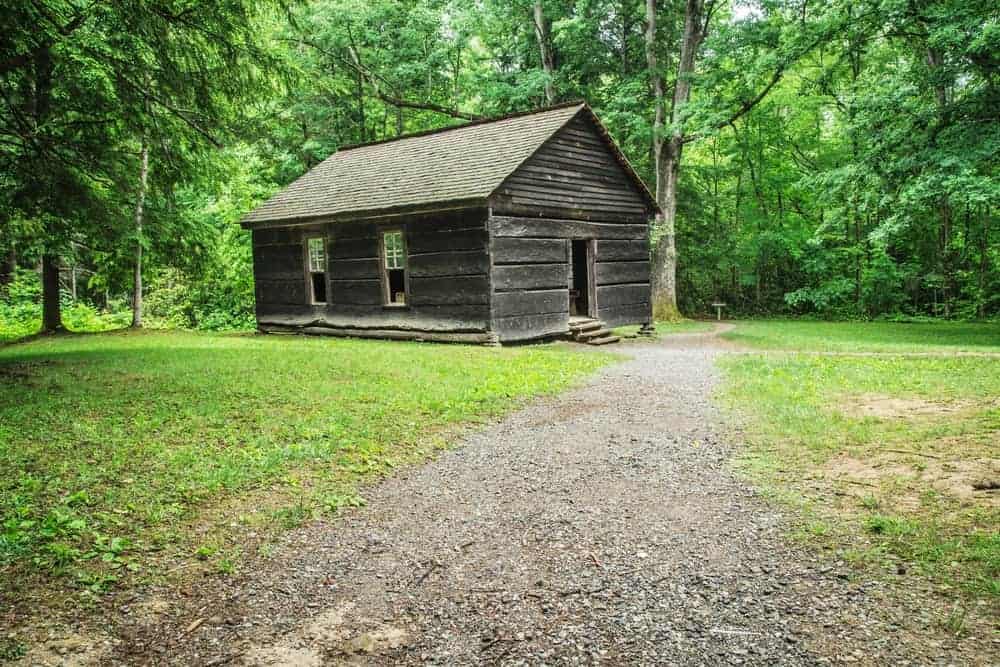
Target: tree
x: 76, y: 77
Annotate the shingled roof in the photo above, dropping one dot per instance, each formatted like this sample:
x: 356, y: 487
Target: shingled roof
x: 463, y: 165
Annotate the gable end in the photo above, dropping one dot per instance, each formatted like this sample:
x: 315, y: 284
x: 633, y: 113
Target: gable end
x: 578, y: 173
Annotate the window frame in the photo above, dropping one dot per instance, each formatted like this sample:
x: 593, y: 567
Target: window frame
x: 309, y: 273
x: 384, y: 268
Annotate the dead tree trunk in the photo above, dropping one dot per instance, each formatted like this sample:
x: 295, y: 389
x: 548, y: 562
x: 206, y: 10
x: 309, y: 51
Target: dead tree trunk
x: 140, y: 202
x: 545, y: 50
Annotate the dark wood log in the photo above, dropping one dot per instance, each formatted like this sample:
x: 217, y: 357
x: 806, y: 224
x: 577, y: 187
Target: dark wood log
x: 451, y: 263
x: 276, y: 236
x: 614, y: 273
x: 353, y: 269
x: 279, y: 262
x: 281, y: 291
x: 513, y: 250
x: 507, y: 206
x: 360, y: 292
x: 393, y: 334
x: 563, y: 229
x: 613, y: 296
x: 639, y: 313
x: 511, y: 304
x: 300, y: 310
x: 611, y: 251
x: 420, y: 240
x: 528, y: 327
x: 427, y: 318
x: 472, y: 315
x: 467, y: 290
x: 366, y: 248
x: 341, y: 231
x: 530, y: 276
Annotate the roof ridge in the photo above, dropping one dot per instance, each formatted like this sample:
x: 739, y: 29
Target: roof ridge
x: 473, y: 123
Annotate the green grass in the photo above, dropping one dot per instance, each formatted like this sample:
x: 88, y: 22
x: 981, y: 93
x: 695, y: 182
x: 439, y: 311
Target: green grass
x: 891, y: 483
x: 123, y: 452
x: 667, y: 328
x: 868, y: 336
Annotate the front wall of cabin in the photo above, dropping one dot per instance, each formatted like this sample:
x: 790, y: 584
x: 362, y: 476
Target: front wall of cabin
x: 572, y: 188
x: 531, y: 274
x: 447, y: 276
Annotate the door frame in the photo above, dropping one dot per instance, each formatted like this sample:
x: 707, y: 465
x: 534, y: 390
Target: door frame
x: 591, y: 261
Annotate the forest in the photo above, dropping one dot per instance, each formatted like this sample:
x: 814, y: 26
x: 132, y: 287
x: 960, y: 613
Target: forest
x: 829, y: 159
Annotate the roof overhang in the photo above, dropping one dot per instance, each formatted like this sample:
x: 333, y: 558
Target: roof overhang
x: 368, y: 215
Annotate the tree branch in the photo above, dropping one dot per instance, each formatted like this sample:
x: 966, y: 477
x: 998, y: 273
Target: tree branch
x: 372, y: 79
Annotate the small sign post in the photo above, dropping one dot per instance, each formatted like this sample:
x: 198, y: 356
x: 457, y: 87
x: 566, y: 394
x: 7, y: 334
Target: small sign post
x: 718, y: 305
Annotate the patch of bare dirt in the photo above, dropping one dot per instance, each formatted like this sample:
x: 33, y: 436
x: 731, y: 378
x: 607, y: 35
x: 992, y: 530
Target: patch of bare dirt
x: 894, y: 407
x: 967, y: 480
x: 67, y: 650
x: 333, y: 634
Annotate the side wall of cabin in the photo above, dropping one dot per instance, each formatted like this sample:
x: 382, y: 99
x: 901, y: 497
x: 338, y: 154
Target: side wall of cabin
x: 572, y: 188
x: 447, y: 277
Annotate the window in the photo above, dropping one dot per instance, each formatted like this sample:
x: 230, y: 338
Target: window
x: 394, y: 267
x: 316, y: 258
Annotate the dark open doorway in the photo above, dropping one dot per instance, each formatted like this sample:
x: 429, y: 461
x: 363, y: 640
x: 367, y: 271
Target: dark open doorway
x: 581, y: 288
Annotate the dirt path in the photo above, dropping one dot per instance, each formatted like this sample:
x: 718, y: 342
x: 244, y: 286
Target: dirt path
x: 602, y: 526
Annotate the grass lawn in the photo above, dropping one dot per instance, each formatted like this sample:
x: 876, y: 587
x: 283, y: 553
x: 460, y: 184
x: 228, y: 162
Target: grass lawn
x: 122, y: 453
x: 884, y: 454
x: 868, y: 336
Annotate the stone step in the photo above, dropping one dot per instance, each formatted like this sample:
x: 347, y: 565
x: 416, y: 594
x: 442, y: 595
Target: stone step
x: 587, y: 325
x: 599, y: 332
x: 603, y: 340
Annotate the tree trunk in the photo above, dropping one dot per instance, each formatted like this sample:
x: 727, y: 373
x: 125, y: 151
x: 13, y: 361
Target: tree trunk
x: 139, y: 203
x: 51, y: 311
x: 7, y: 266
x: 545, y: 51
x: 668, y: 153
x: 984, y: 243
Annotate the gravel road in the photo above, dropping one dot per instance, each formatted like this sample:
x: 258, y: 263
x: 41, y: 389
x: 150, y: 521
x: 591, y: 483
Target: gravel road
x: 601, y: 526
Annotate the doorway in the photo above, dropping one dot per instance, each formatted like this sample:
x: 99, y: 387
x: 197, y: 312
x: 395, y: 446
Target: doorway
x: 581, y: 284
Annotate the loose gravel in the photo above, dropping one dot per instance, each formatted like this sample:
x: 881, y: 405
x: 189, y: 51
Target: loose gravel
x: 602, y: 526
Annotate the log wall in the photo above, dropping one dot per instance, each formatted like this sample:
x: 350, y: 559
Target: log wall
x: 531, y: 274
x: 447, y: 265
x: 575, y: 176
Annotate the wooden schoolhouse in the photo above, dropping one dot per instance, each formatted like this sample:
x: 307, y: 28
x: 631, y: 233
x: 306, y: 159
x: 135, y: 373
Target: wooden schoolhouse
x: 517, y: 228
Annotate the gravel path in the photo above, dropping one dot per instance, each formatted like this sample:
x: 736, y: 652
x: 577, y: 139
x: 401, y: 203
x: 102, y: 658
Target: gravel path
x: 601, y: 526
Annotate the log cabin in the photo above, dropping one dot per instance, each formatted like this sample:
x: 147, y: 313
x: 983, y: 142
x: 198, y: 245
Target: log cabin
x: 517, y: 228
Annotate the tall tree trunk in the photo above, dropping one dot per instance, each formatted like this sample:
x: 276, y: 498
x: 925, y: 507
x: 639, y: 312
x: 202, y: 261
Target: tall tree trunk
x: 545, y: 50
x: 668, y: 155
x: 140, y: 202
x: 984, y: 243
x: 51, y: 310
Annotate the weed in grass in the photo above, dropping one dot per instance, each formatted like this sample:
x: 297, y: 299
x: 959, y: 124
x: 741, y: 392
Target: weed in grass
x: 333, y: 503
x: 206, y: 551
x: 870, y: 502
x: 12, y: 648
x: 956, y: 623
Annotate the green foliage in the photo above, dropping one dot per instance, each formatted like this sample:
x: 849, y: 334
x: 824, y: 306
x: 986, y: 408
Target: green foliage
x: 862, y: 185
x: 109, y: 444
